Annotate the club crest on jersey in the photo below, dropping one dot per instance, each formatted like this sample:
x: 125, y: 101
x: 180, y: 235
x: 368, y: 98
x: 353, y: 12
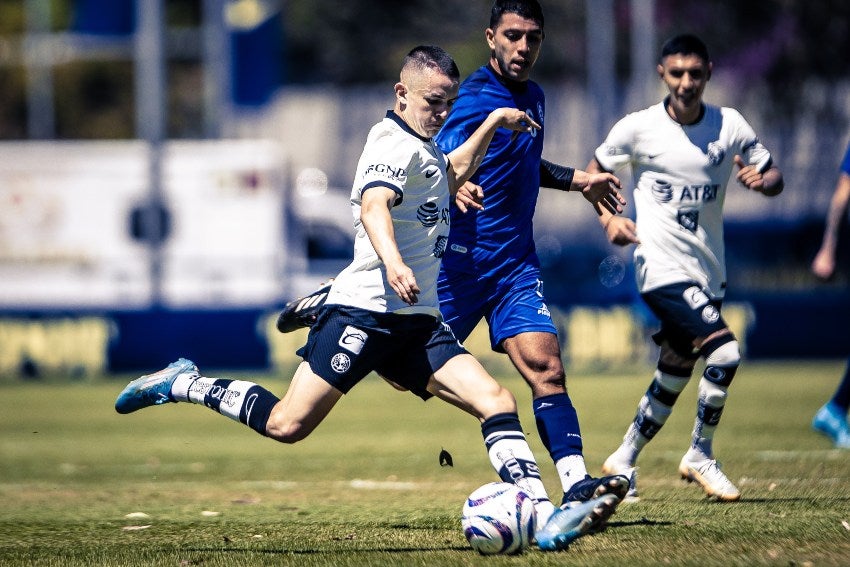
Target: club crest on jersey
x: 715, y: 153
x: 662, y: 191
x: 353, y: 339
x: 340, y: 363
x: 440, y: 246
x: 710, y: 314
x: 689, y: 220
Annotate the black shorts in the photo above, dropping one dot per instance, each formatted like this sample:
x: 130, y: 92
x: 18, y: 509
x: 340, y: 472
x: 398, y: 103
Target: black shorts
x: 686, y: 313
x: 346, y: 343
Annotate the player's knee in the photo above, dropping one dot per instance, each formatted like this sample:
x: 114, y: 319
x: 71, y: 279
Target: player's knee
x: 722, y: 351
x: 502, y: 401
x: 285, y: 430
x: 722, y: 357
x: 546, y: 376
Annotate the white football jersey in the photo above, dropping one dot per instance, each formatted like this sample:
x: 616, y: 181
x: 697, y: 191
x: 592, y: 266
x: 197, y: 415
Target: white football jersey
x: 681, y: 172
x: 415, y: 168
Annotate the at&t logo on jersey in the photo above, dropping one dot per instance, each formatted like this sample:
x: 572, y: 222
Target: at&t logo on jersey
x: 428, y: 214
x: 697, y: 193
x: 662, y: 191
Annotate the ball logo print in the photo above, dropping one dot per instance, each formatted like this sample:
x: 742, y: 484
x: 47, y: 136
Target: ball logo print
x: 499, y: 518
x: 710, y: 314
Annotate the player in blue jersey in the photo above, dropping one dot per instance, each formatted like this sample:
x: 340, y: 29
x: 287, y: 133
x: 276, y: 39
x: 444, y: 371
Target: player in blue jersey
x: 382, y: 312
x: 490, y: 268
x: 831, y: 418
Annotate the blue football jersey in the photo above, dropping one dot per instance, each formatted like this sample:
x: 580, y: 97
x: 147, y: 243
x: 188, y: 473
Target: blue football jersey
x: 498, y: 239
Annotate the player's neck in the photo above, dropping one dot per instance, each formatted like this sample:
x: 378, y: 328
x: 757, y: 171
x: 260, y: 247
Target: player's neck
x: 685, y: 116
x: 511, y: 84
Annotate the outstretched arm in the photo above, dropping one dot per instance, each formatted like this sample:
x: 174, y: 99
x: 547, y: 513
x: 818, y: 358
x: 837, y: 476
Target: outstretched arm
x: 375, y: 214
x: 601, y: 189
x: 823, y: 265
x: 465, y: 159
x: 620, y: 230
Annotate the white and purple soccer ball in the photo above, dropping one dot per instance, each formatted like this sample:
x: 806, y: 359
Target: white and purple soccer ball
x: 499, y: 518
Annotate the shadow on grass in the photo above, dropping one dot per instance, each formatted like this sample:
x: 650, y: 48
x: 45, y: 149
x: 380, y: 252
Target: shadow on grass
x: 641, y: 522
x: 323, y: 551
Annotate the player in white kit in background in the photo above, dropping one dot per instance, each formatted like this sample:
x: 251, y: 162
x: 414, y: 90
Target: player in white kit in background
x: 681, y: 152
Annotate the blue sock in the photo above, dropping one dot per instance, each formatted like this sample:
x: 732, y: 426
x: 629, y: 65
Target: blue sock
x: 557, y: 424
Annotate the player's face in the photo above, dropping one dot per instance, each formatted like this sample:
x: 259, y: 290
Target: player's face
x: 685, y: 77
x: 424, y: 101
x: 514, y: 46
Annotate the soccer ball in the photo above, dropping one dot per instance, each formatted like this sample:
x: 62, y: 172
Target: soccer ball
x: 499, y: 518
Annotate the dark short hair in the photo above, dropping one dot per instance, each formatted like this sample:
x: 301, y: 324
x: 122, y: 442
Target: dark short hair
x: 433, y: 57
x: 685, y: 44
x: 528, y: 9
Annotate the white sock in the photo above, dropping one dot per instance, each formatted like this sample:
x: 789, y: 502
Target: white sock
x: 571, y: 469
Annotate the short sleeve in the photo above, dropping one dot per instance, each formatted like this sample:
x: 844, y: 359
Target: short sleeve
x: 384, y: 163
x: 616, y: 151
x: 753, y: 151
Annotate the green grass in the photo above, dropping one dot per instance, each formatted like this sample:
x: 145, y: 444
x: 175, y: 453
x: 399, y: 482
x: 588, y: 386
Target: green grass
x: 367, y: 488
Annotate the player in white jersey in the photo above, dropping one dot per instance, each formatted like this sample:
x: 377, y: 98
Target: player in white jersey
x: 681, y: 153
x: 382, y: 312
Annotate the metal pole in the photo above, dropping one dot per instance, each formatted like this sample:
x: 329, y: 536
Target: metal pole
x: 643, y: 80
x: 216, y: 57
x: 150, y: 89
x: 41, y: 120
x: 601, y: 53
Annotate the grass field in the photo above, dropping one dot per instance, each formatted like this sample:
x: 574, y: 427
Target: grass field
x: 179, y: 485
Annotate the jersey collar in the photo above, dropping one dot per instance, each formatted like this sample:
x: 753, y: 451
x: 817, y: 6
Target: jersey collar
x: 694, y: 123
x: 510, y: 84
x: 403, y: 125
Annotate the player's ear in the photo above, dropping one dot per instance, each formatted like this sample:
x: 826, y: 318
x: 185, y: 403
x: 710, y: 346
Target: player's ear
x: 401, y: 92
x: 708, y: 74
x: 660, y: 70
x: 490, y: 36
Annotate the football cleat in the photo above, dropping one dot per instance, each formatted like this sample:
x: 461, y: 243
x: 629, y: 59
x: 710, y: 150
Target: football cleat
x: 571, y: 522
x: 707, y: 473
x: 590, y: 488
x: 153, y: 389
x: 832, y: 422
x: 613, y: 466
x: 302, y: 312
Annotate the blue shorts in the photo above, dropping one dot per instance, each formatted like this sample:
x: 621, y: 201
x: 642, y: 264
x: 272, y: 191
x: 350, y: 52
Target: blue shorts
x: 511, y: 305
x: 346, y: 343
x: 686, y: 313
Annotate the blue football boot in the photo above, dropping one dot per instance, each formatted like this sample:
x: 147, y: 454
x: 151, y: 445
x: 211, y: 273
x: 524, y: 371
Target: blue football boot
x: 572, y: 521
x: 152, y: 389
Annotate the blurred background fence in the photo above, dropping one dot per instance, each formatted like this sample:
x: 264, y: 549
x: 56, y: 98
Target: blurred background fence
x: 172, y: 171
